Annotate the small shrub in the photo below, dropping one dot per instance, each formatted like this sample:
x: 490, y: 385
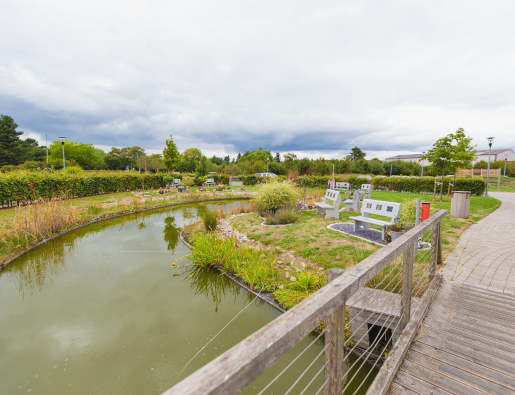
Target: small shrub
x: 188, y: 181
x: 168, y: 179
x: 73, y: 170
x: 94, y: 209
x: 281, y: 217
x: 210, y: 219
x: 275, y: 195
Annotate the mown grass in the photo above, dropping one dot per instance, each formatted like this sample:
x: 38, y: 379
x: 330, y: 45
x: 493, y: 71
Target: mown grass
x: 507, y: 185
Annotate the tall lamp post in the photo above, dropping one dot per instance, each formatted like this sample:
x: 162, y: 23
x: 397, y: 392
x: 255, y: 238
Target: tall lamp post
x: 490, y: 141
x: 46, y: 142
x: 505, y: 159
x: 391, y: 167
x: 267, y: 165
x: 422, y: 162
x: 63, y: 139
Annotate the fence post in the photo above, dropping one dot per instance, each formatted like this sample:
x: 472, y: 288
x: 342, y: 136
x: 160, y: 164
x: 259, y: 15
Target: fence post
x: 439, y: 258
x: 407, y: 277
x: 436, y: 248
x: 335, y: 334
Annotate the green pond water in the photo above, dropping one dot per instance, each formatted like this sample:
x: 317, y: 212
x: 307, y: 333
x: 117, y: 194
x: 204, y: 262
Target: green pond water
x: 100, y: 311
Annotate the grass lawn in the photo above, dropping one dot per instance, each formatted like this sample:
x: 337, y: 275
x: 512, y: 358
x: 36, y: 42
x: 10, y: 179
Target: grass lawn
x: 320, y: 249
x: 507, y: 185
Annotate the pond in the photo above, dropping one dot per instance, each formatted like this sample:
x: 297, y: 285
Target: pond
x: 100, y: 311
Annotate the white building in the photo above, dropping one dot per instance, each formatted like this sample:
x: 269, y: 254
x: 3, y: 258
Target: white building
x: 497, y: 154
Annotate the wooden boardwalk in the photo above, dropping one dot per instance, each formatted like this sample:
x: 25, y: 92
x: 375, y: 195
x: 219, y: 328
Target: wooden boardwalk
x: 466, y: 343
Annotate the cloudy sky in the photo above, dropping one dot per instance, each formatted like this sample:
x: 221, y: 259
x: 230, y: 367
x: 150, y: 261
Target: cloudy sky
x: 290, y: 76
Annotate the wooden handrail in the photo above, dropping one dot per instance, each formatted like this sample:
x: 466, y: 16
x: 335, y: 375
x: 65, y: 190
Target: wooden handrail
x: 234, y: 370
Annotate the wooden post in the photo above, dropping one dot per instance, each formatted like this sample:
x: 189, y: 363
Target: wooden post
x: 407, y: 277
x: 439, y: 258
x: 434, y: 192
x: 499, y: 179
x: 335, y: 334
x: 434, y: 253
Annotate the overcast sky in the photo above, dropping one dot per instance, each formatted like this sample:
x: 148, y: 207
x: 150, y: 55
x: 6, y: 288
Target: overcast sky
x: 305, y: 76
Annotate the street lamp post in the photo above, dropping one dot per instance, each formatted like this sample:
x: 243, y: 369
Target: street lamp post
x: 267, y: 165
x: 63, y: 139
x: 505, y: 159
x: 441, y: 186
x: 490, y: 141
x: 46, y: 142
x: 422, y: 160
x: 391, y: 167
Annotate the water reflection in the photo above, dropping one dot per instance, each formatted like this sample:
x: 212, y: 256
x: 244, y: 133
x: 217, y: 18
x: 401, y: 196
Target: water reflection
x: 171, y: 233
x: 215, y: 287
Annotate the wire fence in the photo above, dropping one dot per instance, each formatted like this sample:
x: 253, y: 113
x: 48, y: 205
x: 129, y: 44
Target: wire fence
x: 362, y: 313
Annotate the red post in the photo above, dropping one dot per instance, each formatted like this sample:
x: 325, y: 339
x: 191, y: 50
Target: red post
x: 426, y: 210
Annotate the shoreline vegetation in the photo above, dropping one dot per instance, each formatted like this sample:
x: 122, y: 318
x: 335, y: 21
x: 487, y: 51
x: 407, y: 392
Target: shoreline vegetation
x: 291, y: 263
x: 24, y: 227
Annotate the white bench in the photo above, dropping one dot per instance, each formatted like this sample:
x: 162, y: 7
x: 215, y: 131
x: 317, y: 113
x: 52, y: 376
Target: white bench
x: 331, y: 210
x: 352, y: 204
x: 177, y: 181
x: 366, y: 190
x: 210, y: 182
x: 378, y: 207
x: 342, y: 186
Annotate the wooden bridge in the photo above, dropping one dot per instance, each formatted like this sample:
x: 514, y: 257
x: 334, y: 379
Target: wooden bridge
x: 461, y: 343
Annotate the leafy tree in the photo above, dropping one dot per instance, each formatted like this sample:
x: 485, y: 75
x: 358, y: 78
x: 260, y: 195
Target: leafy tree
x: 82, y: 154
x: 278, y: 157
x: 290, y: 160
x: 239, y: 157
x: 116, y: 159
x: 356, y: 154
x: 451, y: 153
x: 11, y: 148
x: 155, y: 162
x: 320, y: 167
x: 190, y: 159
x: 216, y: 160
x: 171, y: 155
x: 202, y: 167
x: 256, y: 156
x: 227, y: 159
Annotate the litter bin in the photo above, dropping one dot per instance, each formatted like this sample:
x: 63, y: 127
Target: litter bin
x: 460, y: 204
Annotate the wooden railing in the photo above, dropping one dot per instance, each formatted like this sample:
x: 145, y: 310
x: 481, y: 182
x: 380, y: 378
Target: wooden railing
x: 233, y: 371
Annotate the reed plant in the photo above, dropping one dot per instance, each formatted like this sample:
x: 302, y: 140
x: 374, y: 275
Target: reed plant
x: 211, y: 218
x: 255, y: 267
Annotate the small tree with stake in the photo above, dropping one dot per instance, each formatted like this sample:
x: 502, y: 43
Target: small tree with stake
x: 451, y: 153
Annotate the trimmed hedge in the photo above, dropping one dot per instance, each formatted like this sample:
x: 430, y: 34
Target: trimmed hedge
x: 28, y: 186
x: 426, y: 184
x: 19, y: 186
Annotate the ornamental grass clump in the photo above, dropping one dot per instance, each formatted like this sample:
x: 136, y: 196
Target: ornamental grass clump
x: 275, y: 195
x: 282, y: 216
x: 210, y: 218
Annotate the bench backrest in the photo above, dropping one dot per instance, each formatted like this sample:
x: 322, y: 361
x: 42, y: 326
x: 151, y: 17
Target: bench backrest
x: 379, y: 207
x: 210, y: 181
x: 342, y: 185
x: 177, y: 181
x: 366, y: 187
x: 333, y: 195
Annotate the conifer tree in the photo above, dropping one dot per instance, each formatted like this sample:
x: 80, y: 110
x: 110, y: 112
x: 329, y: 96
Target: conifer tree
x: 170, y: 154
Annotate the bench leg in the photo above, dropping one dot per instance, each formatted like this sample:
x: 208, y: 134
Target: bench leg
x: 320, y: 210
x: 332, y: 214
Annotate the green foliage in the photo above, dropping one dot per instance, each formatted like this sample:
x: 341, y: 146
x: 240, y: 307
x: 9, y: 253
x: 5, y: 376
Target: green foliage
x: 356, y: 154
x: 170, y: 154
x: 275, y: 195
x: 202, y: 168
x: 426, y: 184
x: 168, y: 179
x: 451, y: 153
x: 210, y: 219
x: 120, y: 158
x: 85, y: 155
x: 73, y: 170
x: 189, y: 160
x: 188, y: 181
x: 409, y: 213
x: 31, y: 185
x: 281, y: 217
x: 255, y: 267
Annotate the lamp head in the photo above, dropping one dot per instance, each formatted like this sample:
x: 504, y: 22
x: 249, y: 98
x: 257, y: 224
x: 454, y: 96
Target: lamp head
x: 490, y: 140
x: 63, y: 139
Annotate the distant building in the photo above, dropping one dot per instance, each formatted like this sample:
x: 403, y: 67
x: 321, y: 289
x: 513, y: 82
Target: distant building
x: 497, y: 154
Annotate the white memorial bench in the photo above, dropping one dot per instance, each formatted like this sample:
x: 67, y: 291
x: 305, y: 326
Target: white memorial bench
x: 331, y: 210
x: 342, y: 186
x: 352, y: 204
x: 378, y: 207
x: 177, y: 181
x: 210, y: 182
x: 366, y: 190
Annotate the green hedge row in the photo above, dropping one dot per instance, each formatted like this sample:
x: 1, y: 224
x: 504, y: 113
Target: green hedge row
x: 426, y: 184
x: 29, y: 186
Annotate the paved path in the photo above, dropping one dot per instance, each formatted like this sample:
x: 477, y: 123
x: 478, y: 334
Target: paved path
x: 485, y: 254
x: 467, y: 339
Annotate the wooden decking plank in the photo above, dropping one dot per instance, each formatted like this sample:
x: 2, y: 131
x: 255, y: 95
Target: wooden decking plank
x: 488, y: 298
x: 475, y: 380
x: 484, y: 290
x: 485, y: 378
x: 482, y: 363
x: 479, y: 323
x: 415, y: 384
x: 431, y: 376
x: 481, y: 331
